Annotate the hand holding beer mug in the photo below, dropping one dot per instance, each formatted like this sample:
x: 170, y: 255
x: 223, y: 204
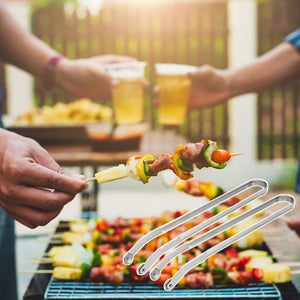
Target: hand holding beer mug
x: 174, y: 88
x: 127, y: 95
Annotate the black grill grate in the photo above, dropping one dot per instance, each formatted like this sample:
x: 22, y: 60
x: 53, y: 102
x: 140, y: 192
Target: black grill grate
x: 88, y: 290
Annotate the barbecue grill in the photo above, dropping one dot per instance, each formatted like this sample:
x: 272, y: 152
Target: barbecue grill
x: 88, y: 290
x: 45, y: 287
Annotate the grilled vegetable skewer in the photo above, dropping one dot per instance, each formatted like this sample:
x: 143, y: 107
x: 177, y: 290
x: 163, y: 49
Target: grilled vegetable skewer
x: 203, y: 154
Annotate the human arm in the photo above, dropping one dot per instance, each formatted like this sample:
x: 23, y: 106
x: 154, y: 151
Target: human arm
x: 82, y: 77
x: 211, y: 86
x: 27, y: 172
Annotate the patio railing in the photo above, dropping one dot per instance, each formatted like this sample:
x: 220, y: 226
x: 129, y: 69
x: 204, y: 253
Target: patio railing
x: 278, y: 108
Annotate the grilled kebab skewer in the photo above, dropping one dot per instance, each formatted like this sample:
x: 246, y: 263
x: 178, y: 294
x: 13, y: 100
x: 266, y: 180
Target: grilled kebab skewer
x: 203, y: 154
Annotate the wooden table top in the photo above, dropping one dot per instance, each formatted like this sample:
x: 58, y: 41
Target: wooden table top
x: 154, y: 142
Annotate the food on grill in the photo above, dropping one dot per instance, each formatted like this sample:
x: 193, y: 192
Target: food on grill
x: 258, y: 262
x: 63, y: 273
x: 276, y: 273
x: 65, y: 260
x: 198, y: 188
x: 59, y: 250
x: 181, y: 163
x: 97, y: 255
x: 105, y: 264
x: 81, y: 111
x: 252, y: 240
x: 253, y: 253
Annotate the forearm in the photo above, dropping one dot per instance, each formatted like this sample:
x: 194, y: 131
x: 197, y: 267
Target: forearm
x: 21, y: 48
x: 277, y: 66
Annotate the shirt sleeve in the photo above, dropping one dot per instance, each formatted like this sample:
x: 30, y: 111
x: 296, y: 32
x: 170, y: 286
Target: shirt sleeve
x: 294, y: 38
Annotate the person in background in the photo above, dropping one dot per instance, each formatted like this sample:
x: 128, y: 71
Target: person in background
x: 211, y: 86
x: 27, y: 171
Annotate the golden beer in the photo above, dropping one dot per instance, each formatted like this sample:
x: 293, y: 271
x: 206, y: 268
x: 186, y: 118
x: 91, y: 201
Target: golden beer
x: 128, y: 101
x: 174, y: 85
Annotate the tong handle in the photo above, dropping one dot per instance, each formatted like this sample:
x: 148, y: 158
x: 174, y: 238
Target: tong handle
x: 171, y: 283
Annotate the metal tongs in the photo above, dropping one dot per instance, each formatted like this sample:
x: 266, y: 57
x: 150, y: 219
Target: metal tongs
x: 170, y: 250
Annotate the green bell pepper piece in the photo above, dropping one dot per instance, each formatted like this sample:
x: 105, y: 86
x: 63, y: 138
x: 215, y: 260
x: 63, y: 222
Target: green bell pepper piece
x: 97, y: 259
x: 141, y: 259
x: 96, y: 237
x: 208, y: 152
x: 184, y: 166
x: 147, y: 170
x: 85, y: 271
x: 215, y: 210
x: 220, y: 275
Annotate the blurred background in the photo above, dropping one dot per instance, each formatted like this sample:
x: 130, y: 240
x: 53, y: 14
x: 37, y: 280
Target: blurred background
x: 221, y: 33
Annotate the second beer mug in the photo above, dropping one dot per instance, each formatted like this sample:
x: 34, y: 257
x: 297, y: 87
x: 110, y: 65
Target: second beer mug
x: 174, y: 85
x: 128, y: 100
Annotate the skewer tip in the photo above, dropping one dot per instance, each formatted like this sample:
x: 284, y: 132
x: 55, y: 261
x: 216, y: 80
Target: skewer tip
x: 236, y: 154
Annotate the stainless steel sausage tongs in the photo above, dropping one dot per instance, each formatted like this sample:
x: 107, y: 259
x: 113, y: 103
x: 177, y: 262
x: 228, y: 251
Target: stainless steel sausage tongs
x: 171, y: 250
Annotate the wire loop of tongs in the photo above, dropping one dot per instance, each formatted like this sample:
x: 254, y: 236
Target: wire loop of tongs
x: 258, y: 183
x: 169, y: 248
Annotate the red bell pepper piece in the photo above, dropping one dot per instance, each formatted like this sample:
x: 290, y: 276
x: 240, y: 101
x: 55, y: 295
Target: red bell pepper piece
x: 257, y: 274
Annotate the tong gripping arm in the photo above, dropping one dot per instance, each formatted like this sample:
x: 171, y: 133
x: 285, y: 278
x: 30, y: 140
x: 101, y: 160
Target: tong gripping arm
x: 129, y: 256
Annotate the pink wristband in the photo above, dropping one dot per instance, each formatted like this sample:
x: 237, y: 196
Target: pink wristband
x: 48, y: 74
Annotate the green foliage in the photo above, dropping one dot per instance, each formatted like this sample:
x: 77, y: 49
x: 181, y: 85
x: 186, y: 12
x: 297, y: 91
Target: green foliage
x: 287, y: 177
x: 37, y: 4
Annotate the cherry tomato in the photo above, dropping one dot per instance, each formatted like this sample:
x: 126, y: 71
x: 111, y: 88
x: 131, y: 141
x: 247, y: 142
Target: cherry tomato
x: 220, y: 156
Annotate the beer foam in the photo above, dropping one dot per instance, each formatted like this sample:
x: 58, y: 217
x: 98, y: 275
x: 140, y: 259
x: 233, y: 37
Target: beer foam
x: 127, y: 71
x: 174, y: 69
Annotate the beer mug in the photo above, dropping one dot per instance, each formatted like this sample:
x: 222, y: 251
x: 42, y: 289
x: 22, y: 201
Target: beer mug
x: 174, y: 88
x: 127, y: 96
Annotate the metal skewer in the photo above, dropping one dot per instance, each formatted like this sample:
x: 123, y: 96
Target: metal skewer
x: 90, y: 179
x: 236, y: 154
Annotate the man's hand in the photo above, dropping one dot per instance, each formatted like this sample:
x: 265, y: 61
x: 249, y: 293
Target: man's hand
x: 209, y: 86
x: 87, y: 77
x: 33, y: 187
x: 294, y: 224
